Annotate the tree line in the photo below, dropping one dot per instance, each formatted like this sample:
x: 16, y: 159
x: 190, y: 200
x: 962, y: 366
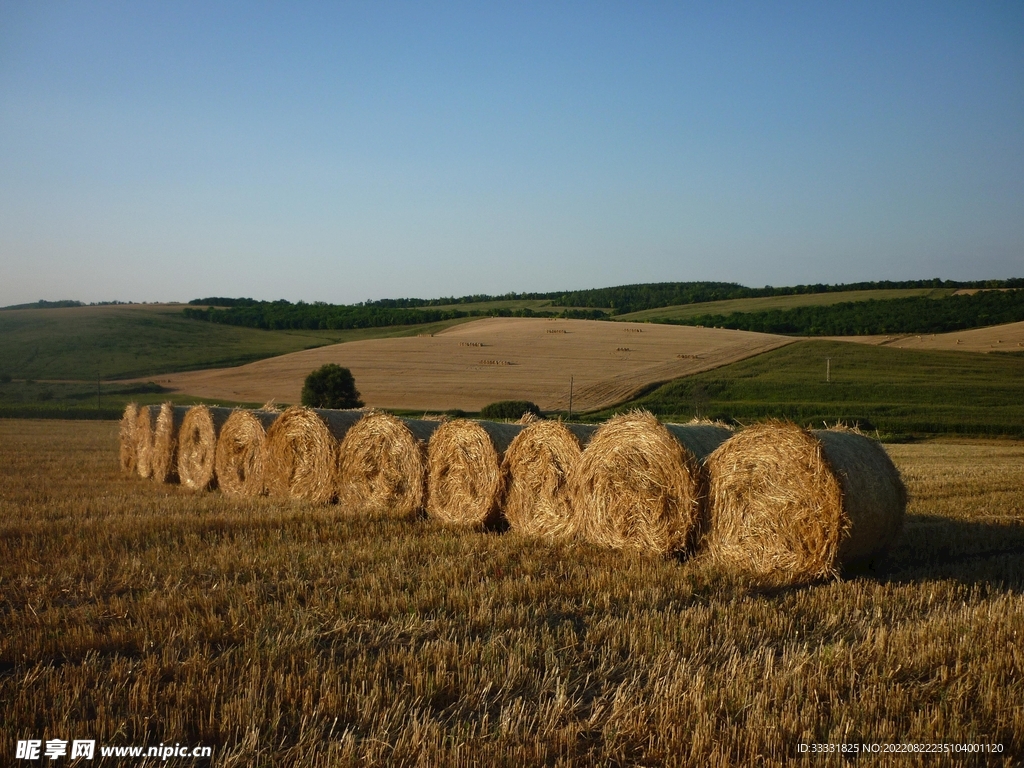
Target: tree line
x: 917, y: 314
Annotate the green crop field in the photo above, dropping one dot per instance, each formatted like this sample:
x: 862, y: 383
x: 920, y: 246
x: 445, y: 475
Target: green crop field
x: 778, y: 302
x: 130, y: 341
x: 897, y: 391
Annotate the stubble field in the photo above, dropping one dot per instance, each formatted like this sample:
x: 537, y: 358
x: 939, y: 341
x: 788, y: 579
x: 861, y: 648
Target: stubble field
x: 285, y: 634
x: 476, y: 363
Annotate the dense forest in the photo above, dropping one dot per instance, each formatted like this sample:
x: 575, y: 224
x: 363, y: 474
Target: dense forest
x: 891, y: 316
x: 619, y: 300
x: 282, y: 315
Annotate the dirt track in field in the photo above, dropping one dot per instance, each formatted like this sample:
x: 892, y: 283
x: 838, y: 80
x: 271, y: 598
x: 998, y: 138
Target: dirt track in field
x: 995, y: 338
x: 477, y: 363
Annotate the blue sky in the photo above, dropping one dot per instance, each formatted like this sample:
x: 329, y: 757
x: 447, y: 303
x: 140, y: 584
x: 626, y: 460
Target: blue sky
x: 350, y: 151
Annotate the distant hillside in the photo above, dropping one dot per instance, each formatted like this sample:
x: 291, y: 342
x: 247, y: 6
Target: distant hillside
x: 41, y: 304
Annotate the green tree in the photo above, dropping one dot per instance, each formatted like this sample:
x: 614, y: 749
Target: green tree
x: 331, y: 386
x: 509, y: 409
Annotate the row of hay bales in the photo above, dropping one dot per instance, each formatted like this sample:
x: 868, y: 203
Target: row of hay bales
x: 775, y: 500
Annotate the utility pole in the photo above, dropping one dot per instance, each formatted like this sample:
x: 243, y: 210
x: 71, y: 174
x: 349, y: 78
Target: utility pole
x: 828, y: 370
x: 97, y: 391
x: 570, y: 398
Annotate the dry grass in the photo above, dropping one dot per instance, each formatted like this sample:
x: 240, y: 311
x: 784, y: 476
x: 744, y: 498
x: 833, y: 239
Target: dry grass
x: 525, y: 361
x: 465, y: 482
x: 145, y: 428
x: 790, y: 505
x: 301, y: 457
x: 382, y: 466
x: 164, y: 459
x: 127, y: 444
x: 241, y: 447
x: 292, y: 634
x: 537, y: 466
x: 197, y: 446
x: 640, y: 485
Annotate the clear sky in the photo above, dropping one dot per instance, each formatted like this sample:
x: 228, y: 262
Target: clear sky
x: 347, y: 151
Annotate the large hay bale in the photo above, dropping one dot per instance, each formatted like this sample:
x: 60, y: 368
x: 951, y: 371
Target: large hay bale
x: 790, y: 505
x: 165, y: 442
x: 197, y: 446
x: 301, y: 452
x: 537, y: 467
x: 382, y: 465
x: 128, y: 453
x: 145, y: 428
x: 639, y: 483
x: 465, y: 484
x: 241, y: 447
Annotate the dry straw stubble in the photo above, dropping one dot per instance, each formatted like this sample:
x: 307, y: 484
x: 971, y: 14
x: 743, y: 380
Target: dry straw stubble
x: 197, y: 446
x: 789, y: 505
x: 241, y: 447
x: 640, y: 484
x: 302, y: 452
x: 382, y: 466
x: 465, y: 484
x: 537, y: 467
x: 128, y: 453
x: 165, y: 442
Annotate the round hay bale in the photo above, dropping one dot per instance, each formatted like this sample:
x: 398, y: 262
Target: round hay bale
x: 241, y: 446
x: 639, y: 483
x: 145, y: 427
x: 165, y: 442
x: 302, y: 452
x: 128, y: 453
x: 537, y: 467
x: 382, y: 466
x: 790, y: 505
x: 464, y: 478
x: 197, y: 446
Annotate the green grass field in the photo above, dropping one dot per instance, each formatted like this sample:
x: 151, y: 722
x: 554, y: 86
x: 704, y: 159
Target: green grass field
x: 130, y: 341
x: 898, y: 391
x: 777, y: 302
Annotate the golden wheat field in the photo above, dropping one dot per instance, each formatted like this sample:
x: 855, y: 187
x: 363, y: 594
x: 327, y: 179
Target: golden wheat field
x: 284, y: 634
x: 473, y: 364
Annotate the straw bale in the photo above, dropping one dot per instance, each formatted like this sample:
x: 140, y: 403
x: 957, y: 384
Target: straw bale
x: 241, y: 445
x: 165, y: 442
x: 790, y: 505
x: 640, y: 485
x: 197, y: 446
x: 128, y: 453
x: 465, y: 484
x: 537, y: 466
x: 382, y: 464
x: 145, y: 427
x: 302, y: 452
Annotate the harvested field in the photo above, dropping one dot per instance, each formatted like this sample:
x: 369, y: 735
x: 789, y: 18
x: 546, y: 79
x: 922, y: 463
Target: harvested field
x: 994, y: 338
x: 524, y: 361
x: 294, y: 634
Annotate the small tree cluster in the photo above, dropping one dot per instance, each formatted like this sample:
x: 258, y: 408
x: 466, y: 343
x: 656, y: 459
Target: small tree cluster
x: 331, y: 386
x: 509, y: 409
